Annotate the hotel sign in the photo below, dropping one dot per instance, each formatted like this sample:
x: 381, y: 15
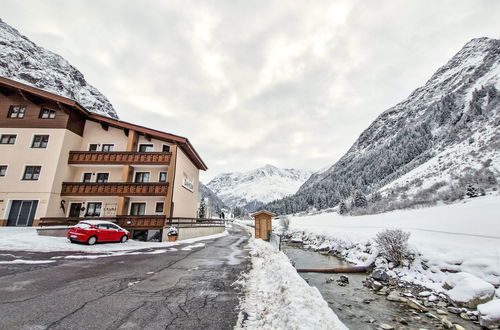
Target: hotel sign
x: 187, y: 182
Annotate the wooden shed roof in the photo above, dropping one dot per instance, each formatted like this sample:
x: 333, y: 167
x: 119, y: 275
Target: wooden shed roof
x: 263, y: 212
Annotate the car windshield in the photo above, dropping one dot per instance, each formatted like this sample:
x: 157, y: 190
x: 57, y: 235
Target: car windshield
x: 83, y: 225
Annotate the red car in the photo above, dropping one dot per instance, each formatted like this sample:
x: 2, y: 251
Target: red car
x: 93, y: 231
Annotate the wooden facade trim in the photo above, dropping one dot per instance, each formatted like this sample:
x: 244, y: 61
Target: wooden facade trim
x: 119, y: 158
x: 114, y: 189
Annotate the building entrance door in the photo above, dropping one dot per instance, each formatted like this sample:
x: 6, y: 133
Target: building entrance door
x: 22, y: 213
x: 74, y: 210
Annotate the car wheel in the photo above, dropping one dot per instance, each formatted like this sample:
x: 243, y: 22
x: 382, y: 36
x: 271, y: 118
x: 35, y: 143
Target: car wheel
x: 92, y: 240
x: 124, y: 239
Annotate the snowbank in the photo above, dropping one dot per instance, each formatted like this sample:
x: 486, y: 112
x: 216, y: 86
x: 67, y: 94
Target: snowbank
x: 26, y: 239
x: 462, y: 237
x: 468, y: 290
x: 489, y: 313
x: 276, y: 297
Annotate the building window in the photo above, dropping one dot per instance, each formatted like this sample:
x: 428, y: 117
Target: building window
x: 47, y: 114
x: 32, y: 172
x: 93, y: 209
x: 141, y: 177
x: 16, y: 111
x: 40, y: 141
x: 102, y: 177
x: 163, y: 177
x: 87, y: 177
x: 8, y: 139
x: 145, y: 148
x: 93, y: 147
x: 165, y: 148
x: 3, y: 170
x: 159, y: 207
x: 108, y: 147
x: 137, y: 208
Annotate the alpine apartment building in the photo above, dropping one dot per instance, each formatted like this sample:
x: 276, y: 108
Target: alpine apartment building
x: 59, y: 162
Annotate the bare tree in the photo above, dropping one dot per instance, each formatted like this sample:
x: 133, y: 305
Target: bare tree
x: 393, y: 245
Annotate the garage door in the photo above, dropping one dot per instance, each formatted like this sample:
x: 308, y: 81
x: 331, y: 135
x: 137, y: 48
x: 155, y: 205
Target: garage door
x: 22, y: 213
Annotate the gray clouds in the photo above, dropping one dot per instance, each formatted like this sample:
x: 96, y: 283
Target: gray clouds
x: 254, y: 82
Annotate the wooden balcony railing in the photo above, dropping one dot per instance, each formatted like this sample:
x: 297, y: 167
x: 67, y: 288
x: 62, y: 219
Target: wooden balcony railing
x: 114, y: 189
x: 141, y: 221
x: 119, y: 157
x: 124, y: 221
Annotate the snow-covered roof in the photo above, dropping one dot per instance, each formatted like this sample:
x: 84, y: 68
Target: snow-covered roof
x: 263, y: 212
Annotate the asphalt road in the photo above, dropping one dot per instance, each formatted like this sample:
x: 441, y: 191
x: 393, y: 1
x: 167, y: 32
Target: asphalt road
x: 182, y: 289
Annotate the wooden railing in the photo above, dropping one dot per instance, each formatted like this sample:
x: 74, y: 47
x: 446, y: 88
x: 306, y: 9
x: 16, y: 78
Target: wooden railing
x: 114, y: 189
x: 141, y: 221
x: 137, y: 221
x: 195, y: 222
x: 125, y: 221
x: 119, y: 157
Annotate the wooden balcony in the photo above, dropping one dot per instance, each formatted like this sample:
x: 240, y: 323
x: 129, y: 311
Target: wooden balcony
x: 114, y: 189
x: 118, y: 158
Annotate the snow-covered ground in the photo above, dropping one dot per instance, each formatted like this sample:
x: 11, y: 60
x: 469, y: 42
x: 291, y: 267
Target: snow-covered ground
x: 27, y: 239
x: 276, y: 297
x: 459, y: 237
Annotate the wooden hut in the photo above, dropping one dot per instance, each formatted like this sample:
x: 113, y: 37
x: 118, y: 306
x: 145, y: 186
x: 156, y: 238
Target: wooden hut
x: 263, y: 224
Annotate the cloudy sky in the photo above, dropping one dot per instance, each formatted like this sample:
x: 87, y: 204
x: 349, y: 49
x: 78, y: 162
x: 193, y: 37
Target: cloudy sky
x: 290, y: 83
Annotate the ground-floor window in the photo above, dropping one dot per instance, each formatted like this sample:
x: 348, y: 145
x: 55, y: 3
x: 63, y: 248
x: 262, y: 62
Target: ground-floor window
x: 93, y: 209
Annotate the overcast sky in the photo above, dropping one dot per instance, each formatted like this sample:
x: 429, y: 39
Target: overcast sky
x: 290, y: 83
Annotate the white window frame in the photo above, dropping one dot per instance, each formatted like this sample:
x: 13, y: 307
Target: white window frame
x: 76, y: 202
x: 9, y: 205
x: 139, y: 171
x: 108, y: 173
x: 86, y: 208
x: 145, y: 144
x: 166, y: 144
x: 166, y: 176
x: 109, y: 144
x: 33, y: 138
x: 8, y: 144
x: 24, y: 171
x: 6, y: 170
x: 138, y: 202
x: 156, y: 203
x: 83, y: 174
x: 97, y: 144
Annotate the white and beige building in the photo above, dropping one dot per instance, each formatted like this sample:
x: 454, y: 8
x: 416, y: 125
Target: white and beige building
x: 60, y: 163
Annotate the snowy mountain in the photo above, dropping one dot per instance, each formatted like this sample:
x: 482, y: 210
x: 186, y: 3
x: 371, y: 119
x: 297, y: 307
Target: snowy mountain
x: 24, y: 61
x: 256, y: 187
x: 444, y: 134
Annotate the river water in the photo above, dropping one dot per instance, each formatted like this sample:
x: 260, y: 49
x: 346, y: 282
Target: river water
x: 356, y: 305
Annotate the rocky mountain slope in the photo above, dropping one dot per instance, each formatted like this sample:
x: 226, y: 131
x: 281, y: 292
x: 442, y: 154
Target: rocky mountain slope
x: 444, y: 134
x: 254, y: 188
x: 212, y: 201
x: 24, y: 61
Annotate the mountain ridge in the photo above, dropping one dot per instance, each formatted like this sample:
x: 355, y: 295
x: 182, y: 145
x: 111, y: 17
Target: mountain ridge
x: 459, y: 99
x: 24, y: 61
x: 253, y: 188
